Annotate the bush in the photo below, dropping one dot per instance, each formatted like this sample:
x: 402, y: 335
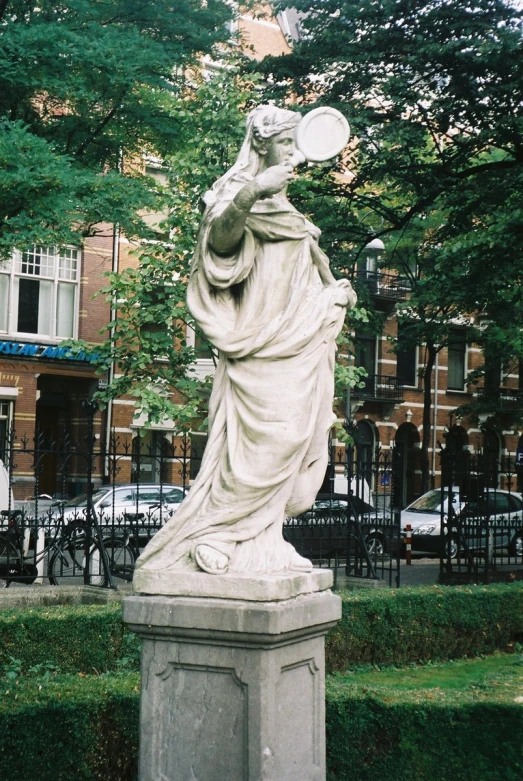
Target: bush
x: 458, y: 722
x: 421, y: 624
x: 379, y: 627
x: 466, y: 728
x: 86, y: 639
x: 71, y: 727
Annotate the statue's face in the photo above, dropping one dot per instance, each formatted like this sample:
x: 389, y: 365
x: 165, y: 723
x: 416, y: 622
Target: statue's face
x: 280, y: 148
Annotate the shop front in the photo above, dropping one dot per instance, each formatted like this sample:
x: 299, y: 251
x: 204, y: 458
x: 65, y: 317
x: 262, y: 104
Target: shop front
x: 42, y: 390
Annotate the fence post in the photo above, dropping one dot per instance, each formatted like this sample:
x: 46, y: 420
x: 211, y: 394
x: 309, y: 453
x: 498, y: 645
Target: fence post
x: 408, y: 544
x: 39, y: 554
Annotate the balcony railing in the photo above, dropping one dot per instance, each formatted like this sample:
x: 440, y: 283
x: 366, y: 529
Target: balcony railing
x: 384, y: 285
x: 380, y: 387
x: 504, y: 400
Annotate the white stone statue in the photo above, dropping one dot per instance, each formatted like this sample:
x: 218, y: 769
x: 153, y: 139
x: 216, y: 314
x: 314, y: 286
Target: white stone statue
x: 262, y: 292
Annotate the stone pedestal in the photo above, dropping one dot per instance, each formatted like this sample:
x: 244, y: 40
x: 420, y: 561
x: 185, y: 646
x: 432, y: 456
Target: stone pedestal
x: 232, y: 689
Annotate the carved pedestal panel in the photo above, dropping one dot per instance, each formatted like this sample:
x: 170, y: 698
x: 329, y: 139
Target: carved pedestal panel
x: 232, y: 690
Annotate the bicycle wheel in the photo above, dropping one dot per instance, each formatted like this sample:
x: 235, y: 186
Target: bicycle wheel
x: 69, y: 562
x: 9, y: 561
x: 121, y: 558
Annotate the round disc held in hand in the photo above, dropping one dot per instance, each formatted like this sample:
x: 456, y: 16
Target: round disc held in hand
x: 322, y: 134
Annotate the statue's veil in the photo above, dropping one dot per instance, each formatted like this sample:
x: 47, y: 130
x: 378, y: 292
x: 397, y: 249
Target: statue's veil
x: 263, y: 122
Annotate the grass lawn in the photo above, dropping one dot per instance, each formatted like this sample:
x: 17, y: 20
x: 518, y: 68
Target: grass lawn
x: 496, y: 678
x: 452, y: 721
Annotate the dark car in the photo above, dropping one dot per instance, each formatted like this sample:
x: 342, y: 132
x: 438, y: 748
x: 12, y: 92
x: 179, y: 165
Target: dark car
x: 333, y: 524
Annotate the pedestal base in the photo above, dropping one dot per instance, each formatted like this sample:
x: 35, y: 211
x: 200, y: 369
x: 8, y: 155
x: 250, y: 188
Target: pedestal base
x: 232, y: 690
x: 258, y: 588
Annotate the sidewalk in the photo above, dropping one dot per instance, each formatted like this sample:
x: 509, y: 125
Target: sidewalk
x: 425, y: 572
x: 422, y: 572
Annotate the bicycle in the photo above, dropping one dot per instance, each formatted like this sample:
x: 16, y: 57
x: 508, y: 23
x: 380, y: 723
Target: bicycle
x: 73, y: 551
x: 120, y: 546
x: 127, y: 543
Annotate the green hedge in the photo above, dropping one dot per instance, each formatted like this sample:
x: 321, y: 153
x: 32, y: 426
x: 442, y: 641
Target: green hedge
x: 379, y: 627
x: 88, y: 638
x: 467, y: 729
x: 470, y: 731
x: 70, y: 728
x: 400, y: 626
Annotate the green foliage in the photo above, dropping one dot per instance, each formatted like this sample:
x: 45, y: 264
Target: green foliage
x: 404, y: 626
x: 464, y: 726
x: 147, y: 340
x: 459, y: 722
x: 148, y: 337
x: 82, y: 84
x: 433, y: 94
x: 71, y: 727
x: 84, y: 639
x: 421, y: 624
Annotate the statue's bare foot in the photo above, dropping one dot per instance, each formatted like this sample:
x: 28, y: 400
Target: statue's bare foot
x: 300, y: 564
x: 211, y: 560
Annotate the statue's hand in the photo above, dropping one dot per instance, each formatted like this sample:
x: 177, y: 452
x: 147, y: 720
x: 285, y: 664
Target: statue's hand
x: 344, y: 294
x: 273, y: 179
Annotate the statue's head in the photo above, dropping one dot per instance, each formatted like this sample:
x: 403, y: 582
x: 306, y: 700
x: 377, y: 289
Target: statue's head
x: 272, y: 131
x: 264, y: 124
x: 267, y: 121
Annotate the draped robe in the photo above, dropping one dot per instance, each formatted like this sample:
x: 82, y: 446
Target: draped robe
x: 274, y: 323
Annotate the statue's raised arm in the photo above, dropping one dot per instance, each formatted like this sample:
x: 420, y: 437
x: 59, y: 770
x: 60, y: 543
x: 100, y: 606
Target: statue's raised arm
x: 262, y: 292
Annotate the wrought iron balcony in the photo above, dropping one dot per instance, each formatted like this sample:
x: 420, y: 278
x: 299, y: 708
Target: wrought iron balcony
x: 384, y: 285
x: 502, y: 400
x: 380, y: 387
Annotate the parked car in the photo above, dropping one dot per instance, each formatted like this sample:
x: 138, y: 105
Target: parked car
x: 493, y: 517
x: 322, y: 531
x: 147, y: 504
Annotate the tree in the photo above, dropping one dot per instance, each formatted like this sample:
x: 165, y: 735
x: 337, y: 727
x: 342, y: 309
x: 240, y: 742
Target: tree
x: 433, y: 92
x: 147, y: 339
x: 83, y: 84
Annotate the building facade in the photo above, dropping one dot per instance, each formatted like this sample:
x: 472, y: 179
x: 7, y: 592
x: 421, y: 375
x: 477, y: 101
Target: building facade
x: 47, y: 296
x: 387, y: 411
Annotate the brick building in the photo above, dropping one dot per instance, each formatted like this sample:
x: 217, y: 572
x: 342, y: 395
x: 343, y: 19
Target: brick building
x: 46, y: 296
x: 387, y: 411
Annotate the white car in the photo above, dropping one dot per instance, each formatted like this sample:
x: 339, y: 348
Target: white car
x: 120, y: 505
x: 494, y: 517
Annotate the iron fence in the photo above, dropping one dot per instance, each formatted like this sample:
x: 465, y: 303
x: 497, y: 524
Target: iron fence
x: 354, y: 525
x: 104, y: 509
x: 481, y: 519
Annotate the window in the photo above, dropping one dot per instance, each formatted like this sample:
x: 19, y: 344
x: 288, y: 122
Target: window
x: 39, y: 292
x: 202, y: 348
x: 204, y: 351
x: 498, y: 504
x: 365, y: 350
x: 5, y: 424
x: 493, y: 372
x: 406, y: 359
x: 457, y: 360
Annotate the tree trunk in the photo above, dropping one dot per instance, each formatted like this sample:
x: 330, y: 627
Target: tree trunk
x: 427, y: 406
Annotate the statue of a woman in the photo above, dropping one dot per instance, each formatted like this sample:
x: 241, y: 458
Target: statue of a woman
x: 262, y: 293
